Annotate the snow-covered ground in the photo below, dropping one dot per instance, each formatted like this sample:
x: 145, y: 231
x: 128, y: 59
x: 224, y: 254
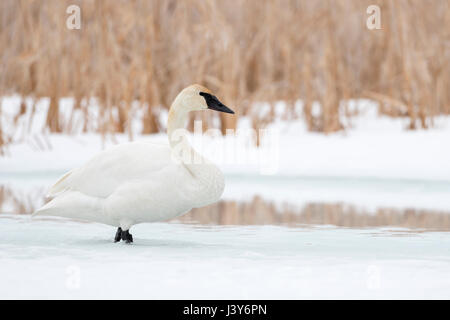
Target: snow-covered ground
x: 375, y: 163
x: 54, y: 258
x: 372, y: 146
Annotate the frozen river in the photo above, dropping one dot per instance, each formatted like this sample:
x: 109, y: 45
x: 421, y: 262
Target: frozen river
x: 269, y: 238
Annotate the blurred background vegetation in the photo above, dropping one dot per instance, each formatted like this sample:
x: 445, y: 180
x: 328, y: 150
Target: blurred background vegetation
x: 246, y: 51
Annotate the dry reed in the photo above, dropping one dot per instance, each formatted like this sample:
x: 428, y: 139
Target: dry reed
x: 245, y: 51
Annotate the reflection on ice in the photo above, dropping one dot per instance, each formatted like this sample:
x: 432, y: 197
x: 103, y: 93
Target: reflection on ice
x: 258, y: 211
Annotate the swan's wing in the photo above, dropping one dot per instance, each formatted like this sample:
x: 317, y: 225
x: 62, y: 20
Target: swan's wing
x: 77, y: 205
x: 60, y: 185
x: 108, y: 170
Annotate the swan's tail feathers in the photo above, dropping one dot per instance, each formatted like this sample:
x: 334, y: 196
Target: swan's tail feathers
x: 74, y: 204
x: 61, y: 185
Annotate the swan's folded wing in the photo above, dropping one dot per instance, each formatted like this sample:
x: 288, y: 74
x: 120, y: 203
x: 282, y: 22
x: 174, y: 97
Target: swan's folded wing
x: 60, y: 185
x: 73, y: 204
x: 108, y: 170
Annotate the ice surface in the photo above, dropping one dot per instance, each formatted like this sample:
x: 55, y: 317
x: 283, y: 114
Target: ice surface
x: 58, y: 258
x: 367, y: 193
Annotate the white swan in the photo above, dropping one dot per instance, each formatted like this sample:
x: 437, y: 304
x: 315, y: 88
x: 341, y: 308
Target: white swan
x: 143, y: 182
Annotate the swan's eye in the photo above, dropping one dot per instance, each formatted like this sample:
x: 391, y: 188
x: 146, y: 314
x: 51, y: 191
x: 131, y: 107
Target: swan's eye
x: 209, y: 98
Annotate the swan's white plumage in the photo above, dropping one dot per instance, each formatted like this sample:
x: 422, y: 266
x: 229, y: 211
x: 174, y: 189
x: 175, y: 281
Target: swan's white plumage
x: 115, y: 166
x: 137, y: 182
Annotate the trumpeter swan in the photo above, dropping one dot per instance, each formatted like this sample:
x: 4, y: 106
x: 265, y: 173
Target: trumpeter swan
x: 140, y: 182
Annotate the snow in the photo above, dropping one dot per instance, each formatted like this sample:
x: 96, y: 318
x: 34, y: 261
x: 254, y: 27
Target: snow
x: 54, y: 258
x: 373, y: 147
x: 375, y: 163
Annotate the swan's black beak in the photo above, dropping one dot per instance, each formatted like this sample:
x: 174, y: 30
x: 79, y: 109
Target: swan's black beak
x: 214, y: 103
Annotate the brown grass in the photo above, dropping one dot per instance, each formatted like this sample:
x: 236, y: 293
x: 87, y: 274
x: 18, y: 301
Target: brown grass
x: 244, y: 50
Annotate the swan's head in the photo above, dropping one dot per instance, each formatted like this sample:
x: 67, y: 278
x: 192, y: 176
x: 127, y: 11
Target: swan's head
x: 197, y: 97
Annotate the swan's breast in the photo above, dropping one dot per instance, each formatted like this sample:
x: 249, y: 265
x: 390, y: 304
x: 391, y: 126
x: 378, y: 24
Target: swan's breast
x: 162, y: 197
x: 208, y: 185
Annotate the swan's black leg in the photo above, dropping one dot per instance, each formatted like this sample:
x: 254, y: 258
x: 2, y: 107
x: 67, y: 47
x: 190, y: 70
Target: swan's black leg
x: 126, y: 236
x: 118, y: 236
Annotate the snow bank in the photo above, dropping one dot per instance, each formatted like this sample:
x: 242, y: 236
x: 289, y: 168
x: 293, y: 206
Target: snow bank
x: 377, y: 147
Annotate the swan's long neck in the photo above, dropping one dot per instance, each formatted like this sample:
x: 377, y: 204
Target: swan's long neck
x: 175, y: 125
x: 208, y: 181
x: 179, y: 143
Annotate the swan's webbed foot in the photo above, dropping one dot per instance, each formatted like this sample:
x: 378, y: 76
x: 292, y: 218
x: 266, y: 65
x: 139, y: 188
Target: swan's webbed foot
x: 123, y: 235
x: 118, y: 236
x: 127, y: 236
